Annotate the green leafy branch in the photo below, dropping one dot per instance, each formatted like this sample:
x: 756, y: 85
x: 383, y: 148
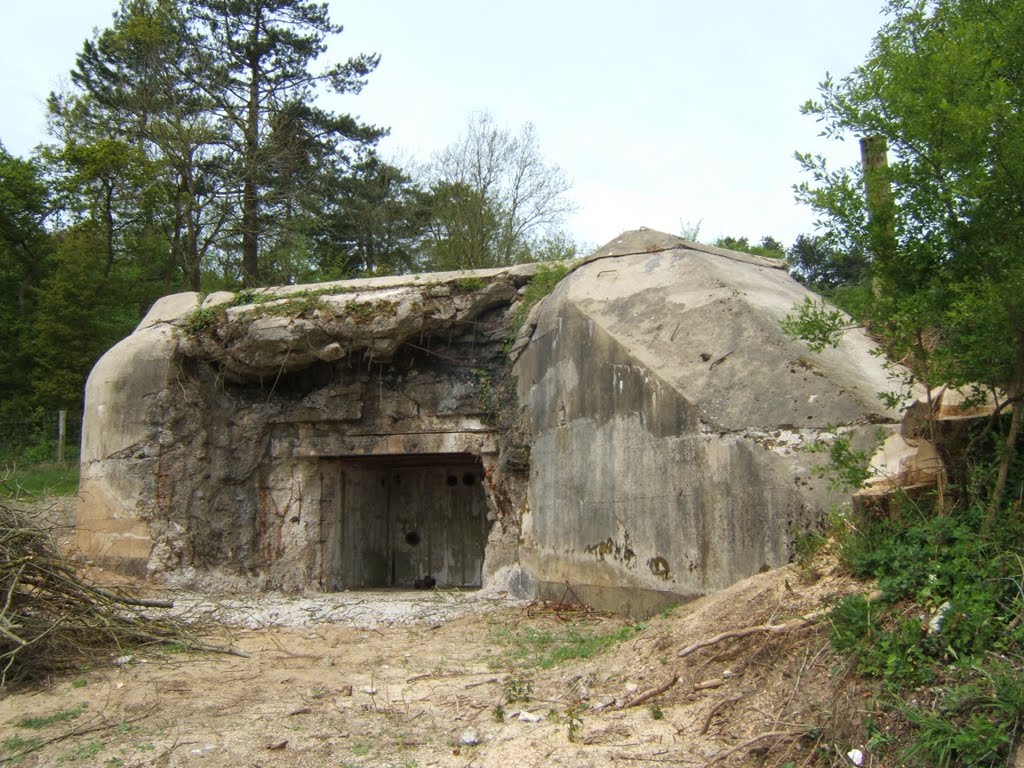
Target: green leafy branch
x: 817, y: 324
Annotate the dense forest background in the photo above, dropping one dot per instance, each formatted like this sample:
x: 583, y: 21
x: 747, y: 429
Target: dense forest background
x: 189, y: 152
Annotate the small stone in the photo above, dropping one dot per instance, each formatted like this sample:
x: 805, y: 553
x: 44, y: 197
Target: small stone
x: 856, y: 757
x: 470, y: 737
x: 935, y: 624
x: 530, y: 717
x: 278, y: 745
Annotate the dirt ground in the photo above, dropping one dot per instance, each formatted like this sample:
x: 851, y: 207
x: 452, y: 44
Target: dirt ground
x: 432, y: 679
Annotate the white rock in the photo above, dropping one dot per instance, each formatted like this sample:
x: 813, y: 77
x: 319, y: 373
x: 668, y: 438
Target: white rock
x: 530, y: 717
x: 935, y: 624
x: 856, y: 757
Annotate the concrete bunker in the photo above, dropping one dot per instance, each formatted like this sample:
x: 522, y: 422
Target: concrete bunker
x: 643, y: 433
x: 403, y: 521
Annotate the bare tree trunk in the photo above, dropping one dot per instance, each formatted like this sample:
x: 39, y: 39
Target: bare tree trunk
x: 250, y: 188
x: 1010, y: 447
x: 250, y: 197
x: 192, y: 239
x: 878, y: 193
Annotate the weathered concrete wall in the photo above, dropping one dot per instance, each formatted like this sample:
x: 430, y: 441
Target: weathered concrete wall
x: 649, y: 444
x: 121, y: 447
x: 206, y: 429
x: 669, y: 420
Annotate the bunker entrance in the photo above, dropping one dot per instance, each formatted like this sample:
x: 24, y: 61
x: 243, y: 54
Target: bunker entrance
x: 403, y: 521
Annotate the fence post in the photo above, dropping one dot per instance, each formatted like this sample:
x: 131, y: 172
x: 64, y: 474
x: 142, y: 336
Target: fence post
x: 62, y: 429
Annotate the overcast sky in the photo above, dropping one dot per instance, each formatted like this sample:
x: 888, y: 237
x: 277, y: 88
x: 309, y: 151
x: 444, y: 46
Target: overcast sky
x: 662, y: 112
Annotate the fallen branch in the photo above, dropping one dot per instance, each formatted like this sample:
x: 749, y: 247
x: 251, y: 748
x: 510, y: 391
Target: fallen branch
x: 703, y: 685
x: 225, y: 649
x: 714, y: 711
x: 481, y: 682
x: 650, y: 694
x: 136, y: 601
x: 52, y: 619
x: 750, y: 742
x: 773, y: 629
x: 735, y: 634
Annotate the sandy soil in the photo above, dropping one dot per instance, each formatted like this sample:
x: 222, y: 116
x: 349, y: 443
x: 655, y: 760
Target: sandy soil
x: 427, y: 679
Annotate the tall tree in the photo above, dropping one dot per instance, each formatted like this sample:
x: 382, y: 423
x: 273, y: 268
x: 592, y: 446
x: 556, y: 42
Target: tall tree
x: 768, y: 246
x: 374, y: 223
x: 135, y: 127
x: 190, y: 135
x: 257, y: 57
x: 464, y: 230
x: 496, y: 197
x: 944, y: 87
x: 79, y: 314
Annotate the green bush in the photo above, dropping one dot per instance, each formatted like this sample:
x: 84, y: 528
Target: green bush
x: 949, y: 619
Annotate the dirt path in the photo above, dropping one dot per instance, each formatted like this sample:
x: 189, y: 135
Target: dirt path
x: 436, y: 679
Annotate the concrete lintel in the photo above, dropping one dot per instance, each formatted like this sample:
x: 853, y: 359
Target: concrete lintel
x: 477, y: 443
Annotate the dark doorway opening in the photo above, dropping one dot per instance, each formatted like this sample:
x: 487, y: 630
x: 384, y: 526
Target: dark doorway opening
x: 403, y: 521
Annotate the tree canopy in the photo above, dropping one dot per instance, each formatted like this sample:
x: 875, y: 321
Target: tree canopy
x: 495, y: 200
x: 188, y: 151
x: 191, y: 150
x: 196, y: 124
x: 943, y: 88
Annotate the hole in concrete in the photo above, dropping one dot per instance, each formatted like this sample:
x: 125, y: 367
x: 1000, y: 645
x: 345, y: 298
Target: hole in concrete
x: 412, y: 538
x: 469, y: 479
x: 452, y: 480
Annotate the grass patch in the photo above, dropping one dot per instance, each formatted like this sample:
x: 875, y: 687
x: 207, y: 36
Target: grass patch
x: 15, y: 744
x: 63, y: 715
x: 360, y: 749
x: 201, y: 319
x: 469, y: 284
x: 82, y: 752
x: 263, y: 303
x: 366, y: 311
x: 40, y: 480
x: 544, y: 649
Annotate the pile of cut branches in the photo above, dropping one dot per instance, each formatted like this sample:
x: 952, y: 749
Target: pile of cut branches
x: 51, y: 619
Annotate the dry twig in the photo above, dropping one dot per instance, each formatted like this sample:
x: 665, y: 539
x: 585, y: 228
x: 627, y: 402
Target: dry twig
x: 773, y: 629
x: 714, y: 711
x: 51, y: 619
x: 651, y: 693
x: 735, y: 634
x: 751, y: 742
